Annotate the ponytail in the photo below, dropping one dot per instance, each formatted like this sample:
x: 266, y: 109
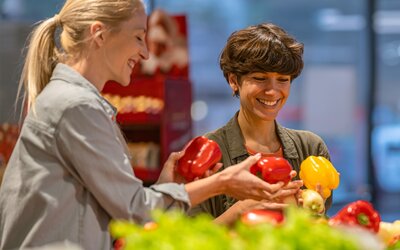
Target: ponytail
x: 73, y: 19
x: 41, y: 58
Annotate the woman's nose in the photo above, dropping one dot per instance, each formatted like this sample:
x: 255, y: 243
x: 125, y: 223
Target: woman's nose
x: 144, y: 52
x: 269, y: 87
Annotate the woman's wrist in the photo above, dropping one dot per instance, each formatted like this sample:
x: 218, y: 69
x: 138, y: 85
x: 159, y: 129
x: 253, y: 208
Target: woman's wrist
x: 222, y: 180
x: 204, y: 189
x: 230, y: 216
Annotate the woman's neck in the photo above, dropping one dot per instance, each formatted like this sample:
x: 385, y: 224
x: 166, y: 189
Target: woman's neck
x: 89, y: 71
x: 259, y: 135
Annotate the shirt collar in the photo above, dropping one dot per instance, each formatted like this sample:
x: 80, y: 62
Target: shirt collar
x: 289, y: 149
x: 236, y: 141
x: 65, y: 73
x: 235, y: 138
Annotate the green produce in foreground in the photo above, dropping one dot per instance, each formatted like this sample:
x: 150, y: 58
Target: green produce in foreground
x: 176, y: 231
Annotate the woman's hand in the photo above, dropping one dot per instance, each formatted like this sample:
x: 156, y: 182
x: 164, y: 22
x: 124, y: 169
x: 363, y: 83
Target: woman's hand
x: 168, y: 172
x: 238, y: 182
x: 292, y: 185
x: 247, y: 205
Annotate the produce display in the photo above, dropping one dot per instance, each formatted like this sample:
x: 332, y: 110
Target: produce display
x: 200, y: 154
x: 177, y: 231
x: 302, y: 226
x: 359, y: 213
x: 257, y: 216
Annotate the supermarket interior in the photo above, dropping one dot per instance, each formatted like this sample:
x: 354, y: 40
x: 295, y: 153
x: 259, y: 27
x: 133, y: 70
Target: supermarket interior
x: 347, y: 93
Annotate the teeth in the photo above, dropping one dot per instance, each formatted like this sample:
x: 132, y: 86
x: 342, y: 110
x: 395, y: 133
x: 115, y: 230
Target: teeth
x: 269, y: 103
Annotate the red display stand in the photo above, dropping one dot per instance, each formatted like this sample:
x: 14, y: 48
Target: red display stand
x: 171, y: 128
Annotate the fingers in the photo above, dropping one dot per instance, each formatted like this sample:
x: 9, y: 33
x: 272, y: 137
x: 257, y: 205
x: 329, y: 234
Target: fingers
x: 174, y: 156
x: 274, y: 205
x: 262, y: 194
x: 216, y: 168
x: 212, y: 170
x: 271, y: 188
x: 251, y: 160
x: 299, y: 197
x: 173, y: 159
x: 318, y: 188
x: 293, y: 174
x: 264, y: 205
x: 283, y: 193
x: 294, y: 184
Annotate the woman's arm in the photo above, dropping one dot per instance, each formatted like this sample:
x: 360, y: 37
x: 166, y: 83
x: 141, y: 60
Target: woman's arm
x: 278, y: 202
x: 235, y: 181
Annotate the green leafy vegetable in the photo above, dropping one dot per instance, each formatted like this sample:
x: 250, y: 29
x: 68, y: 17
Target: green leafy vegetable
x: 176, y: 231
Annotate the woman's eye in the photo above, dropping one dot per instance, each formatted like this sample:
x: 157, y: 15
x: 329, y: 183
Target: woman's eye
x: 259, y: 78
x: 139, y: 38
x: 284, y: 80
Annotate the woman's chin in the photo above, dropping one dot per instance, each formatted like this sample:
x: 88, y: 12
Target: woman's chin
x: 124, y: 82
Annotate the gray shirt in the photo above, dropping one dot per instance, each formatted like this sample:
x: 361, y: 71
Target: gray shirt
x: 70, y: 172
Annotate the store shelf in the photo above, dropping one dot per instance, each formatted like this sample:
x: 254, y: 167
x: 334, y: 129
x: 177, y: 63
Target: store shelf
x: 138, y: 118
x: 170, y: 128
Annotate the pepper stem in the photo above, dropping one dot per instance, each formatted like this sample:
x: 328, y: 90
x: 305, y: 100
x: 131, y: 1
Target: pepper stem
x: 363, y: 219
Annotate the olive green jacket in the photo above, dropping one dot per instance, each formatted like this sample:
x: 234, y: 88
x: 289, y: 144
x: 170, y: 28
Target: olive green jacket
x: 297, y: 146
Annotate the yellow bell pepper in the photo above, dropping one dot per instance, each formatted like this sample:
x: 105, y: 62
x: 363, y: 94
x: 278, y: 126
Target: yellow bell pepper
x: 317, y: 170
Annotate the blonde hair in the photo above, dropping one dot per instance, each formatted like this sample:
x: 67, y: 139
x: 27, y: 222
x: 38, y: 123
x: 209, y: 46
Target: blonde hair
x: 47, y: 47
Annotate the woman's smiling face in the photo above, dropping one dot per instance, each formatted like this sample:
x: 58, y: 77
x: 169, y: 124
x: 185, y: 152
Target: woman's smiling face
x: 125, y: 48
x: 262, y: 94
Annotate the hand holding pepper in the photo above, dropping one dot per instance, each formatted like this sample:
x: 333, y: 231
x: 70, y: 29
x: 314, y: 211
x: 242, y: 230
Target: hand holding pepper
x: 278, y: 169
x: 170, y: 173
x: 273, y: 169
x: 199, y: 155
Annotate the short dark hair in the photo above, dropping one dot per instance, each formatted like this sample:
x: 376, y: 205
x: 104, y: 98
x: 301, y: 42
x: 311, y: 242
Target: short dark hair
x: 262, y: 48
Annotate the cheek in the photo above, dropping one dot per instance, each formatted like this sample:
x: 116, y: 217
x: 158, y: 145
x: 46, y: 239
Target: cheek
x: 287, y: 92
x: 284, y: 90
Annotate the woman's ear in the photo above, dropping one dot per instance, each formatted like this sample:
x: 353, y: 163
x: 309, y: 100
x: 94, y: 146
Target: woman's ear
x: 233, y: 82
x: 97, y: 32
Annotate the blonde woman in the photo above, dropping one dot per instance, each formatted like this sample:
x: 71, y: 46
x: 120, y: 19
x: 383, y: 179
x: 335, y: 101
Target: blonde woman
x: 70, y: 173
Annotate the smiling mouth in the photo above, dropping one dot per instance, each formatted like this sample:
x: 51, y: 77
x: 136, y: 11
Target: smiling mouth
x: 131, y: 63
x: 268, y: 103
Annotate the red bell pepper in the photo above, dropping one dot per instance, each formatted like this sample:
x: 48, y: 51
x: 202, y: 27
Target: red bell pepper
x: 358, y: 213
x: 272, y: 169
x: 200, y: 154
x: 257, y: 216
x: 119, y: 244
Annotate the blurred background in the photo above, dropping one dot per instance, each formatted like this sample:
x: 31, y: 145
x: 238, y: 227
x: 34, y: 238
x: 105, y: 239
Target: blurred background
x: 348, y: 92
